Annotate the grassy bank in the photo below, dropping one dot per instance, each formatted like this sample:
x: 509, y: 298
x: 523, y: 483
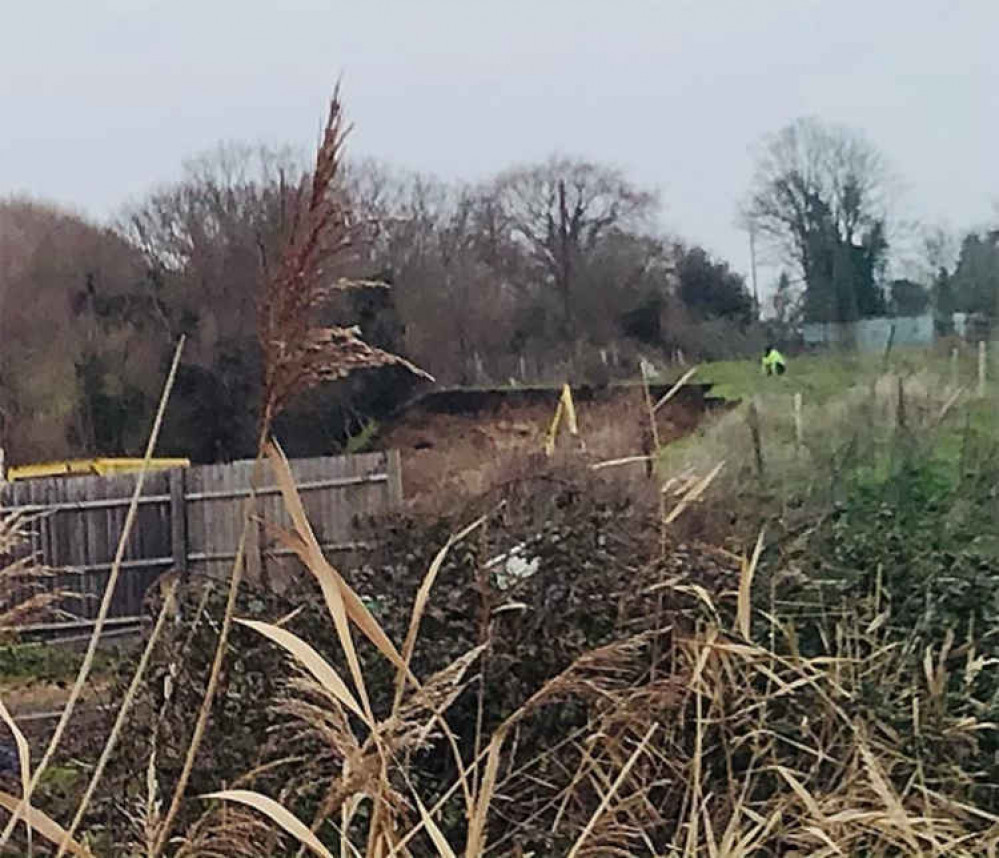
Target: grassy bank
x: 861, y: 407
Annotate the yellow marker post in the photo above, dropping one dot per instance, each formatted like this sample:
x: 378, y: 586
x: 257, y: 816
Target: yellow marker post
x: 567, y: 408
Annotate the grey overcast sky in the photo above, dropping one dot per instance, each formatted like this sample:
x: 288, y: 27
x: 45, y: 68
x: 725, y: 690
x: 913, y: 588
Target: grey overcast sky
x: 101, y: 100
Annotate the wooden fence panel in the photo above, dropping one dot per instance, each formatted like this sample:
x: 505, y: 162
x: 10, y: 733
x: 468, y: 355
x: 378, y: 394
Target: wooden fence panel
x: 192, y: 520
x: 74, y: 529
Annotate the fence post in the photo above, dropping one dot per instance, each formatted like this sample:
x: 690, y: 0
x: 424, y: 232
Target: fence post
x: 753, y: 418
x: 900, y: 419
x: 253, y: 553
x: 953, y: 368
x: 981, y: 369
x: 178, y: 519
x: 393, y: 466
x: 799, y: 429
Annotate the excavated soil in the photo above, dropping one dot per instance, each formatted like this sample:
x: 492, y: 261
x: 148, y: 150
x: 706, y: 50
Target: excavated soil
x: 465, y: 442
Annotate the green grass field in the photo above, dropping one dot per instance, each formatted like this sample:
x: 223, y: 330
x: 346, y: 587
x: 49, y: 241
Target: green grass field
x: 812, y: 376
x: 851, y: 398
x: 820, y: 376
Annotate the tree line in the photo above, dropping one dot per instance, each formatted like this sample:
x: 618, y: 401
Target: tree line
x: 558, y: 270
x: 543, y: 272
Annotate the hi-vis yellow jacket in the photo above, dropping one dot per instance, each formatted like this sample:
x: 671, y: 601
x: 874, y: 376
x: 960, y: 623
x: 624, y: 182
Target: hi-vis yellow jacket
x: 772, y: 359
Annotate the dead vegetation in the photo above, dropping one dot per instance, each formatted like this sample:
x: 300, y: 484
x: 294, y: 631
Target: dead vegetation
x: 612, y: 701
x: 23, y: 596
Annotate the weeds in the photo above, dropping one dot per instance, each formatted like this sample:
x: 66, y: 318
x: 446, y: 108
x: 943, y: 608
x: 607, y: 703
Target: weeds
x: 685, y: 738
x: 830, y: 695
x: 43, y: 663
x: 742, y: 714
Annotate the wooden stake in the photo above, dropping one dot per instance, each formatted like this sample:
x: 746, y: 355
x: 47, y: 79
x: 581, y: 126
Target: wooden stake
x: 653, y: 427
x: 799, y: 429
x: 753, y: 418
x: 953, y: 368
x: 981, y: 369
x: 901, y: 404
x: 178, y: 520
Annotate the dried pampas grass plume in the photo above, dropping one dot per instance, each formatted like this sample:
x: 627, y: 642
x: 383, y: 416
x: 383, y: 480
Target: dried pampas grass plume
x: 321, y: 233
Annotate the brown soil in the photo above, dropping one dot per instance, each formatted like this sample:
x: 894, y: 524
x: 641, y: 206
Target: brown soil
x: 465, y: 444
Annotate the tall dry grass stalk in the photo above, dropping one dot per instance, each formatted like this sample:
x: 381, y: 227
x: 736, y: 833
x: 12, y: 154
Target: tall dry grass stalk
x: 297, y: 355
x: 166, y: 611
x: 22, y: 597
x: 23, y: 808
x: 320, y: 235
x: 24, y: 591
x: 370, y: 755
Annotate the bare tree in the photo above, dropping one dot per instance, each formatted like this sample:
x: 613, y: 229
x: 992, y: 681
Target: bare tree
x: 204, y: 236
x: 561, y: 210
x: 525, y: 266
x: 448, y: 261
x: 204, y: 239
x: 820, y: 197
x: 939, y: 251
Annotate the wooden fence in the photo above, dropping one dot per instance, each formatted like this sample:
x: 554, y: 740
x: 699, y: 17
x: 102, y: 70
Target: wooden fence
x: 190, y: 519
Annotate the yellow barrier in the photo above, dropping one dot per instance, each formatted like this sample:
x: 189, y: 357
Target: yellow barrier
x: 89, y: 467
